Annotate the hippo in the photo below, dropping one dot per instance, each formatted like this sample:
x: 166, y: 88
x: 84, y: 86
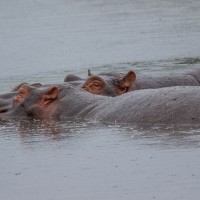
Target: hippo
x: 18, y: 86
x: 170, y: 105
x: 6, y: 101
x: 7, y: 98
x: 107, y: 84
x: 113, y: 84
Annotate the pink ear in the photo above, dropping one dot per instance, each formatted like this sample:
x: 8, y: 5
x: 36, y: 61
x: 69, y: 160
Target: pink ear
x: 128, y: 79
x: 50, y: 95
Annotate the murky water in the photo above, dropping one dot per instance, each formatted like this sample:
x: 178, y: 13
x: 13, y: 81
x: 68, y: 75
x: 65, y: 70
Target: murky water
x: 81, y: 160
x: 42, y: 41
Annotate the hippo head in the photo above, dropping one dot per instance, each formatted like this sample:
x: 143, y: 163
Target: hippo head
x: 16, y: 88
x: 31, y: 101
x: 108, y: 84
x: 6, y: 101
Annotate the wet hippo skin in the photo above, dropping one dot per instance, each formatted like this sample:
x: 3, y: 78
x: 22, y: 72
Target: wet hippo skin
x: 6, y: 101
x: 172, y: 105
x: 111, y: 84
x: 108, y: 84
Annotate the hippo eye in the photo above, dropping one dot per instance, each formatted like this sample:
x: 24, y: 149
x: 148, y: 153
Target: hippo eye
x: 97, y: 84
x: 124, y: 89
x: 19, y: 97
x: 20, y: 93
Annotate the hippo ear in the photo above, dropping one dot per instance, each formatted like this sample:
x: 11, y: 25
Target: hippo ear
x: 89, y: 72
x: 22, y: 93
x: 126, y: 83
x: 50, y: 95
x: 94, y: 84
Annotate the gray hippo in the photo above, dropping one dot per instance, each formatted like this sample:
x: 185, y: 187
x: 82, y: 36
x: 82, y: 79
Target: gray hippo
x: 171, y: 105
x: 108, y: 84
x: 6, y: 101
x: 113, y: 84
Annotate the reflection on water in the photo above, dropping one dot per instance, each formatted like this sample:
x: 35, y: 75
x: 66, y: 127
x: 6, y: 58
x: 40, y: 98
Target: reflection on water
x: 157, y: 136
x: 84, y: 160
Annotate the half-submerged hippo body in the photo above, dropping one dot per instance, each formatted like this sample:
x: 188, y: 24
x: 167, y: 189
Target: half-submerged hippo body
x: 112, y: 84
x: 173, y: 105
x: 6, y: 101
x: 186, y: 79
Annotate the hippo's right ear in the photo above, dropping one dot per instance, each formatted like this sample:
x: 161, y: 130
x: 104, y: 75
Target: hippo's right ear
x: 50, y: 95
x: 126, y: 83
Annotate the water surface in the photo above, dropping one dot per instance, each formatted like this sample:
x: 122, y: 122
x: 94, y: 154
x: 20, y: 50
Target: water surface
x: 82, y: 160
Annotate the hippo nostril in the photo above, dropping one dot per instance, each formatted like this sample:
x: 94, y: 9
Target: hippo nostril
x: 85, y: 88
x: 3, y: 110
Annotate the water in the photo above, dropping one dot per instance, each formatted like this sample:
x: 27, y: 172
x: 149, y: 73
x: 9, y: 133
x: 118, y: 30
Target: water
x: 81, y: 160
x: 42, y: 41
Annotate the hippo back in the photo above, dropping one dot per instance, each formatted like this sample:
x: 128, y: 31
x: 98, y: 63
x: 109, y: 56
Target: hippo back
x: 173, y: 105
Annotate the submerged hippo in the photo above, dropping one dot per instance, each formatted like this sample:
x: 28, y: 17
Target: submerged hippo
x: 113, y: 84
x: 172, y: 105
x: 6, y: 101
x: 108, y: 84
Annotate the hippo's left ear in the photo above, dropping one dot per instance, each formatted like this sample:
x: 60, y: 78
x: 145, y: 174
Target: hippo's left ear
x: 126, y: 83
x: 89, y: 72
x: 50, y: 95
